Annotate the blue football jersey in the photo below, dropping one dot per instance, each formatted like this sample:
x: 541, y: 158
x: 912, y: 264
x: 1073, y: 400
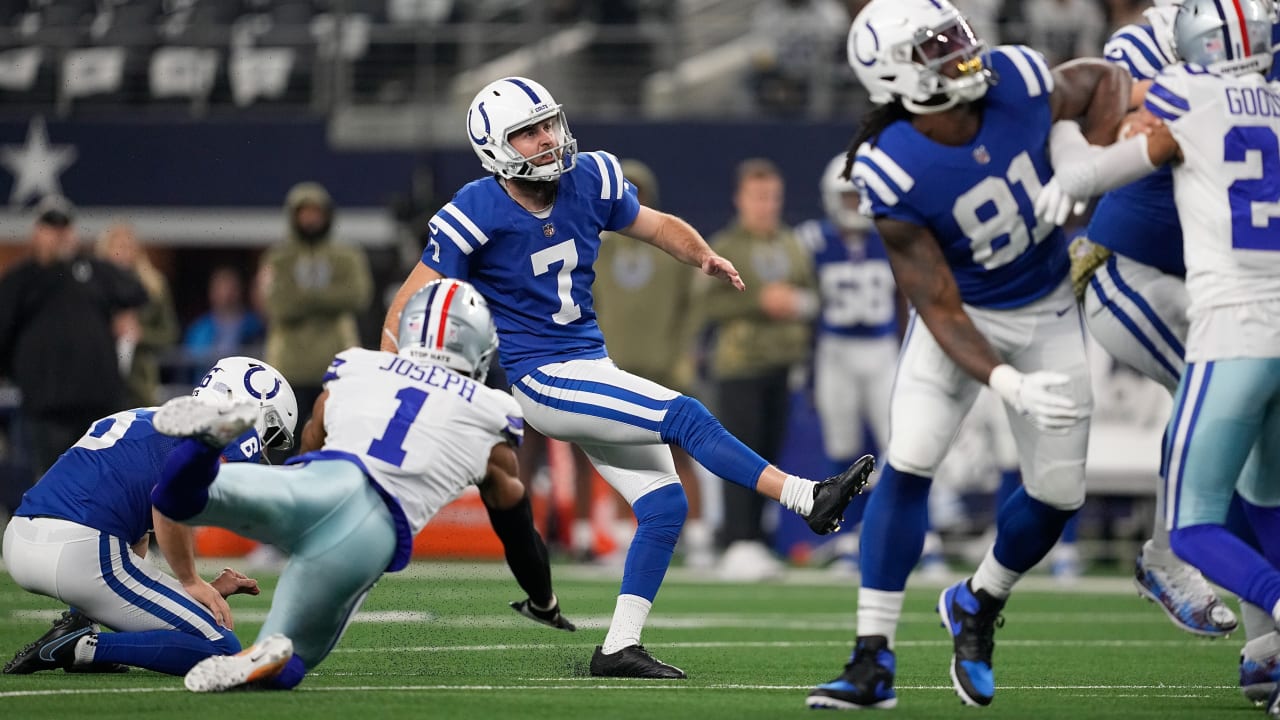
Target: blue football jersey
x: 104, y: 481
x: 854, y: 280
x: 978, y: 198
x: 1140, y: 220
x: 536, y: 273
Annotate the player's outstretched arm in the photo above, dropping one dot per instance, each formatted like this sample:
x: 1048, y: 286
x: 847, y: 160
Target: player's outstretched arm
x: 1094, y: 91
x: 418, y: 277
x: 678, y: 239
x: 511, y: 515
x: 177, y: 544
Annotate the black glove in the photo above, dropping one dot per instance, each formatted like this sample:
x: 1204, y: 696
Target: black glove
x: 551, y: 617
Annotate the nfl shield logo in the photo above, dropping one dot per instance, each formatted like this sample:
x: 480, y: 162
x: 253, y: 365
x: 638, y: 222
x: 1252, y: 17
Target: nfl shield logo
x: 548, y: 230
x: 981, y: 155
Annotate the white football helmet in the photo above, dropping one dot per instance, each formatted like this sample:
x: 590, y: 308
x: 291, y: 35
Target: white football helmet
x: 1231, y: 38
x: 836, y: 201
x: 899, y: 49
x: 448, y: 322
x: 245, y: 378
x: 507, y: 105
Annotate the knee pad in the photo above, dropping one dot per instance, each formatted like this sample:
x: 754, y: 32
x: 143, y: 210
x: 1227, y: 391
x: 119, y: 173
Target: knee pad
x: 1061, y: 491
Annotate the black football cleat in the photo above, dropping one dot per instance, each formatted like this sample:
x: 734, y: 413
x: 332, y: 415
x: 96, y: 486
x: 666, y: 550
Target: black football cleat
x: 832, y: 496
x: 553, y: 617
x: 633, y: 661
x: 55, y: 649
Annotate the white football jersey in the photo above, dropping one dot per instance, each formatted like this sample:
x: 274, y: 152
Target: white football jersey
x: 1227, y: 190
x: 423, y: 432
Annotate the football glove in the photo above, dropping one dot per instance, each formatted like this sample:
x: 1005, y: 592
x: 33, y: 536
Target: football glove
x: 1039, y: 396
x: 551, y: 618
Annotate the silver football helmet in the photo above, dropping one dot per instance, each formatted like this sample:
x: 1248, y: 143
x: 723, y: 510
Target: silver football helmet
x: 245, y: 378
x: 448, y: 322
x: 510, y: 104
x: 842, y: 209
x: 900, y: 48
x: 1231, y: 38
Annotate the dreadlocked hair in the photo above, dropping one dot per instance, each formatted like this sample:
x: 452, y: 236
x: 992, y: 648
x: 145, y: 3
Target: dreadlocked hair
x: 873, y: 123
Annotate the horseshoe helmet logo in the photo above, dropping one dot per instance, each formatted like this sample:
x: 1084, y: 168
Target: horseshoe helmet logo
x: 248, y: 384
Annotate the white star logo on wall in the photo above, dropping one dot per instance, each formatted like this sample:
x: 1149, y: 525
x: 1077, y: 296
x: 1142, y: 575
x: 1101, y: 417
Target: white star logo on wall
x: 36, y: 165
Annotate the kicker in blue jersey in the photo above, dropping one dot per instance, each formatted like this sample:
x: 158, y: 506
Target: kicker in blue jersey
x: 536, y: 271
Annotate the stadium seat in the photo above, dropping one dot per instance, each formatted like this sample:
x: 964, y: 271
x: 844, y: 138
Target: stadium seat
x: 186, y: 73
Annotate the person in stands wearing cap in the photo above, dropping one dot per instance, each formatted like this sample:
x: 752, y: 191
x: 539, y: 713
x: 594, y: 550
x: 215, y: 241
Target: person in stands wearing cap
x: 58, y: 311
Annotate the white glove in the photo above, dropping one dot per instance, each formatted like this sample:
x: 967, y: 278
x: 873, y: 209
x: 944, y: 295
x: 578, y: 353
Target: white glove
x: 1055, y: 205
x: 1038, y: 396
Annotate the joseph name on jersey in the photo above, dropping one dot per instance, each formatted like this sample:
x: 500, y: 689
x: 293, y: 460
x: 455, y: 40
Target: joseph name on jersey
x: 854, y: 280
x: 1001, y: 254
x: 421, y: 432
x: 1227, y: 186
x: 536, y: 272
x: 104, y: 481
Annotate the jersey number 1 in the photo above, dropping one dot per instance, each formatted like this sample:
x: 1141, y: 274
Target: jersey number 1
x: 390, y: 447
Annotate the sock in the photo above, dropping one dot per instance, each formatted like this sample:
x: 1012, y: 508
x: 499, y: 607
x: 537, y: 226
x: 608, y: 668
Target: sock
x: 690, y: 426
x: 166, y: 651
x: 659, y: 515
x: 1153, y: 554
x: 1257, y: 622
x: 993, y: 576
x: 1228, y: 561
x: 550, y: 604
x: 893, y: 529
x: 1026, y: 529
x: 628, y: 620
x: 1262, y: 647
x: 797, y: 495
x: 183, y: 490
x: 290, y: 676
x: 85, y: 649
x: 879, y: 612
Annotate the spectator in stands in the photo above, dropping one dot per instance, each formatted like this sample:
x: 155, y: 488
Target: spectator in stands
x: 1065, y: 29
x: 229, y: 327
x: 760, y: 336
x: 57, y: 312
x: 313, y: 288
x: 141, y: 337
x: 642, y: 302
x: 801, y: 45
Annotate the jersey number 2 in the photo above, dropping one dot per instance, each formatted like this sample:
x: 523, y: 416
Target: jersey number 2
x: 390, y: 447
x: 1255, y: 201
x: 565, y: 252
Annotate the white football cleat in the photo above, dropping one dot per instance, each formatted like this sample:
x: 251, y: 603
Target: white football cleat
x: 215, y: 423
x: 260, y: 661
